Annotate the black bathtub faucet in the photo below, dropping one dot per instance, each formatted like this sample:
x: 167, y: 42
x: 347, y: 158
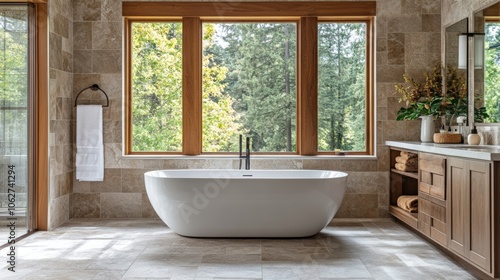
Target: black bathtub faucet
x: 247, y: 153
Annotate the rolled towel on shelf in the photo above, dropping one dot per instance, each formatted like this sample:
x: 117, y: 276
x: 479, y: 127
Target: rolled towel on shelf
x: 405, y: 167
x: 408, y: 154
x: 408, y: 203
x: 408, y: 161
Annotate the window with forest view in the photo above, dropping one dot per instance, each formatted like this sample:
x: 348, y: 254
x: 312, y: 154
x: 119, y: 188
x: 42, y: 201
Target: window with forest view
x: 341, y: 86
x: 157, y: 86
x: 291, y: 82
x: 249, y: 86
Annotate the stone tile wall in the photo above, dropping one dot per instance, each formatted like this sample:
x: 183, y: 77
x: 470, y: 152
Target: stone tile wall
x: 97, y: 50
x: 60, y: 110
x: 456, y: 10
x: 408, y: 41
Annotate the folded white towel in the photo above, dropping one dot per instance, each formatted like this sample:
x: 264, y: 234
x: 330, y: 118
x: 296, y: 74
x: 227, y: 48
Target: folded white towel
x: 89, y: 143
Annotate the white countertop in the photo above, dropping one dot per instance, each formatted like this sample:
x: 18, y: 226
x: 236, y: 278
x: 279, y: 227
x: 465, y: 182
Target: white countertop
x: 484, y: 152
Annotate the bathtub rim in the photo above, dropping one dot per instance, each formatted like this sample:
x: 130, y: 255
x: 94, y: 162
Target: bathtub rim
x: 333, y: 174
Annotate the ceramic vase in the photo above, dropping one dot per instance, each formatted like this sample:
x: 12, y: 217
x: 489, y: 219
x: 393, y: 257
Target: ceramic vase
x: 427, y: 129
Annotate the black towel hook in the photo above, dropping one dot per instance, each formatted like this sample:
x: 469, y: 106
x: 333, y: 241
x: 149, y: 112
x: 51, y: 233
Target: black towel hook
x: 94, y: 87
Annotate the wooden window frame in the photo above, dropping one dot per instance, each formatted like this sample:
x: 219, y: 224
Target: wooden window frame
x: 306, y: 14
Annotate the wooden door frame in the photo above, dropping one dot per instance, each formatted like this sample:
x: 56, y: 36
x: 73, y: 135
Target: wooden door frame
x: 41, y: 172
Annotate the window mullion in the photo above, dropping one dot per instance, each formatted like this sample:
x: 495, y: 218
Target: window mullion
x: 370, y: 103
x: 191, y: 86
x: 307, y: 100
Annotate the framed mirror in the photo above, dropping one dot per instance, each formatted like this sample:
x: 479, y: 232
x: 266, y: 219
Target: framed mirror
x: 487, y: 65
x: 455, y: 71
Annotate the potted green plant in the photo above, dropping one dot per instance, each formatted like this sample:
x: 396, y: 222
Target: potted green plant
x: 427, y: 100
x: 423, y: 99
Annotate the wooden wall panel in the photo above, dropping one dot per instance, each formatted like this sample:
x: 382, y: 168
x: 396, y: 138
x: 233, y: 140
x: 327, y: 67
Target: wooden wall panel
x: 264, y: 9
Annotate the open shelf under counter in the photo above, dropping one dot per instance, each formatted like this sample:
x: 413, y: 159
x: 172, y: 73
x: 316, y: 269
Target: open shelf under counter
x: 409, y: 218
x: 405, y: 173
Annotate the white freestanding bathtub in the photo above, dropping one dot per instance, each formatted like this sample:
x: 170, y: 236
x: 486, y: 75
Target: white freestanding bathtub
x: 246, y: 203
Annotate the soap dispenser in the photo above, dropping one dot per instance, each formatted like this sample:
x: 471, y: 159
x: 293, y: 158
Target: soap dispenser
x: 473, y: 138
x: 461, y: 120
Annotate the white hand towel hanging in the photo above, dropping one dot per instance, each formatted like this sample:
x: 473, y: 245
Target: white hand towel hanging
x: 89, y: 143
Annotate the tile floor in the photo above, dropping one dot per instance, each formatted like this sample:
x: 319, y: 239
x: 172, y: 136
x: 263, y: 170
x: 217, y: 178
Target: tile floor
x: 147, y: 249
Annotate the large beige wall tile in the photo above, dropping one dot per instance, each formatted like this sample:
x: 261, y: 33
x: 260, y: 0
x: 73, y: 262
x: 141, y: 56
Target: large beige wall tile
x: 147, y: 208
x: 111, y: 10
x: 111, y: 183
x: 87, y: 10
x: 112, y: 131
x: 82, y: 61
x: 64, y: 184
x: 82, y: 38
x: 55, y: 55
x: 359, y: 206
x: 275, y: 164
x: 396, y: 48
x: 133, y: 180
x: 106, y: 35
x: 368, y: 182
x: 106, y: 61
x: 322, y: 164
x: 359, y: 165
x: 60, y: 25
x: 121, y: 205
x: 80, y: 186
x: 59, y: 209
x: 85, y: 205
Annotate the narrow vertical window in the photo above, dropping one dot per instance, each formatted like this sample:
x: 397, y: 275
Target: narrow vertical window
x: 249, y: 86
x: 342, y: 85
x: 492, y: 71
x: 156, y: 101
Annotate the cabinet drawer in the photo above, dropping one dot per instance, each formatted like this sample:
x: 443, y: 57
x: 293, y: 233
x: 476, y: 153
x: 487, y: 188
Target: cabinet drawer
x: 432, y: 171
x: 432, y: 163
x: 432, y: 220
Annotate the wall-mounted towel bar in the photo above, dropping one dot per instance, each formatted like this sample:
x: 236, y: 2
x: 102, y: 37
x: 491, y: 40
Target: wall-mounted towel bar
x: 94, y: 87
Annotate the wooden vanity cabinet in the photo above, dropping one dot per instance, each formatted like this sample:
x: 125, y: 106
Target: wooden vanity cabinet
x: 458, y: 206
x: 469, y: 210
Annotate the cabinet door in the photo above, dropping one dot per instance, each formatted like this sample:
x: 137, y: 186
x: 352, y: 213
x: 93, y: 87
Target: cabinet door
x: 479, y: 213
x: 457, y: 205
x: 469, y: 210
